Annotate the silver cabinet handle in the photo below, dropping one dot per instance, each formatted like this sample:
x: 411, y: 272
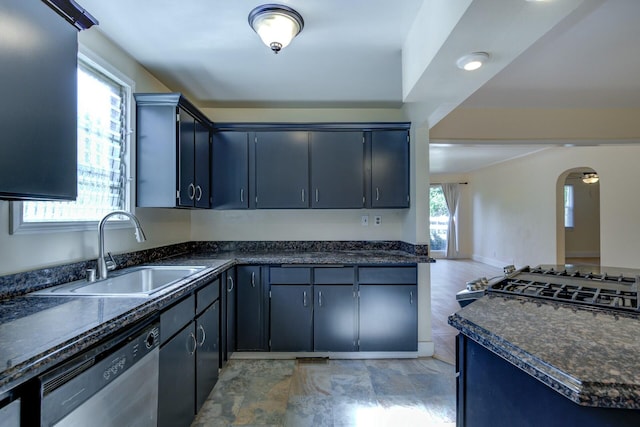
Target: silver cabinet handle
x: 304, y: 298
x: 199, y: 192
x: 411, y: 297
x: 204, y: 335
x: 230, y: 279
x: 377, y: 193
x: 242, y: 195
x: 319, y: 298
x: 316, y: 195
x: 253, y: 279
x: 195, y: 344
x: 302, y: 192
x: 192, y: 191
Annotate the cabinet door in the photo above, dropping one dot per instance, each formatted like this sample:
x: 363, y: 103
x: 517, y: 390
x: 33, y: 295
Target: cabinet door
x: 389, y: 169
x: 230, y: 170
x: 208, y: 352
x: 202, y: 157
x: 291, y: 318
x: 251, y: 325
x: 282, y: 170
x: 334, y: 318
x: 231, y: 302
x: 337, y: 170
x: 186, y: 166
x: 38, y: 110
x: 177, y: 379
x: 388, y: 318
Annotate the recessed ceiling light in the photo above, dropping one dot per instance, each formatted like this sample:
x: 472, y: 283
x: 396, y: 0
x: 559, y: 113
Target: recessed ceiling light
x: 472, y: 61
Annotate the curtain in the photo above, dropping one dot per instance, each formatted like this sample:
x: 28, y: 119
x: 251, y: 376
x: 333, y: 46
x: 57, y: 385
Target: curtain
x: 452, y: 196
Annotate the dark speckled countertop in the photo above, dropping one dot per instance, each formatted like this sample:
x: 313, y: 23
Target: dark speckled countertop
x: 38, y: 332
x: 591, y: 356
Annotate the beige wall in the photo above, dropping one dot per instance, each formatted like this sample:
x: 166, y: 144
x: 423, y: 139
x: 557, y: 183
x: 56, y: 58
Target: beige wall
x: 515, y: 217
x: 524, y: 124
x: 22, y: 252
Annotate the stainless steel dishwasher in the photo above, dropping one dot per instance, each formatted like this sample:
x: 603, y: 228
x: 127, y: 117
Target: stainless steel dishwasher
x: 114, y: 384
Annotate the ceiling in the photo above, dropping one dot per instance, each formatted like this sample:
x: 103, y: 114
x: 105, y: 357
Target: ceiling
x: 383, y: 53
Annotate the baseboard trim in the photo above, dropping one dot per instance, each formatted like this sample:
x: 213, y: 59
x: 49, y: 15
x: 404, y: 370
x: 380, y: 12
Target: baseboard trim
x: 285, y: 355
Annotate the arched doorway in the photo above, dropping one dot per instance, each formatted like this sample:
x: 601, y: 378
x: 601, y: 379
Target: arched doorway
x: 578, y: 217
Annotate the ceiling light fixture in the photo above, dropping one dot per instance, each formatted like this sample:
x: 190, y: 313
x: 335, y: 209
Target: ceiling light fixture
x: 276, y: 25
x: 590, y: 177
x: 472, y: 61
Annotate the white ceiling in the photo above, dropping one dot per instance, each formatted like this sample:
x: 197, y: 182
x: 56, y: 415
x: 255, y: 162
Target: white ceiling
x: 350, y: 53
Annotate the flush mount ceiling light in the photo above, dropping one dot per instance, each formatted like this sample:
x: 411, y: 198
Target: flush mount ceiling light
x: 472, y: 61
x: 276, y: 25
x: 590, y: 177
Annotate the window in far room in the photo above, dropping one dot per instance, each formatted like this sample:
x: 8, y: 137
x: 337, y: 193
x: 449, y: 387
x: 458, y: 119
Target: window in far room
x: 103, y: 157
x: 438, y: 220
x: 568, y: 206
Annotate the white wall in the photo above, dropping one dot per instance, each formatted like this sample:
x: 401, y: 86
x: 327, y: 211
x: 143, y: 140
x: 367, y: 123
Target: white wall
x: 514, y: 206
x: 583, y: 239
x: 23, y: 252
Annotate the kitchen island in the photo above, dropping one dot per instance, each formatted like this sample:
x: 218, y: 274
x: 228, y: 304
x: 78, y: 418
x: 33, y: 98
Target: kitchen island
x: 531, y: 362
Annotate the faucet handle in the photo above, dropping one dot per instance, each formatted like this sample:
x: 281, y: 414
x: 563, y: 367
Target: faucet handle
x: 111, y: 263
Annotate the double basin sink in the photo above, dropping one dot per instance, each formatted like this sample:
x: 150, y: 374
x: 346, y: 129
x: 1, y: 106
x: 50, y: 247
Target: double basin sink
x: 142, y: 281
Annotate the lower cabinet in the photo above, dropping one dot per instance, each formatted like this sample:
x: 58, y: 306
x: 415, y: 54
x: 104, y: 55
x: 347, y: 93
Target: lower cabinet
x: 177, y: 379
x: 291, y: 318
x: 251, y: 314
x: 388, y: 318
x: 335, y: 318
x: 228, y: 293
x: 189, y: 355
x: 208, y: 352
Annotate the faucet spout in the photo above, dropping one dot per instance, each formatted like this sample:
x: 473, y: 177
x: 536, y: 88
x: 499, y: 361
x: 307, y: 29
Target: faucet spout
x: 140, y: 237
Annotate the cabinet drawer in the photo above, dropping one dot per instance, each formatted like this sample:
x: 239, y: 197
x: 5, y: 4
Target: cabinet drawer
x: 334, y: 275
x: 290, y: 275
x: 388, y: 275
x: 176, y: 317
x: 207, y: 295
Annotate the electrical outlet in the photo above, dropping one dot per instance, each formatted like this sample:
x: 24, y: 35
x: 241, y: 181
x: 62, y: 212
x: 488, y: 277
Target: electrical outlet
x: 377, y: 220
x: 364, y: 220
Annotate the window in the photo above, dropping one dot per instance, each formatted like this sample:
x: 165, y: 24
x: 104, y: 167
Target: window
x: 568, y: 206
x: 103, y: 102
x: 439, y: 219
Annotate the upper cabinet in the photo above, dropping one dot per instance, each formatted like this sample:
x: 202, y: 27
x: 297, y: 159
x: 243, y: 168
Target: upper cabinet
x: 337, y: 169
x: 38, y: 151
x: 389, y: 169
x: 320, y: 166
x: 230, y: 170
x: 173, y: 152
x: 282, y: 169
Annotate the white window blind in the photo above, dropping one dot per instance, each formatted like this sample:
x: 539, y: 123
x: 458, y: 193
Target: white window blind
x: 101, y: 154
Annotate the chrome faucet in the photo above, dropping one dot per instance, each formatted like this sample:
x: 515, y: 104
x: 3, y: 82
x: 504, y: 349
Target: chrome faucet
x: 102, y: 264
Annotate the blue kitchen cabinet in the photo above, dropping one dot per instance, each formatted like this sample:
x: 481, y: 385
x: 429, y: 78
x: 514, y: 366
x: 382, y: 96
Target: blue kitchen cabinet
x: 291, y: 300
x: 388, y: 309
x: 230, y: 170
x: 172, y: 152
x: 337, y: 169
x: 388, y: 169
x: 38, y: 111
x: 282, y: 169
x: 252, y: 309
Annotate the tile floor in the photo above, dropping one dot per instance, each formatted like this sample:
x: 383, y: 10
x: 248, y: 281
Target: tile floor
x: 321, y: 392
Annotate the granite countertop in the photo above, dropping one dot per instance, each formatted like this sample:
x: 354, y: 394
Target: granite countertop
x: 589, y: 355
x: 38, y: 332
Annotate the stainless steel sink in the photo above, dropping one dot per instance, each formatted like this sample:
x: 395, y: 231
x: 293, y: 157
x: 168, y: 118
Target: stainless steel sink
x: 132, y: 282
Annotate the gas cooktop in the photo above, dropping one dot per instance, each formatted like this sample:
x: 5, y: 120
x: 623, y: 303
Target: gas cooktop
x: 612, y: 291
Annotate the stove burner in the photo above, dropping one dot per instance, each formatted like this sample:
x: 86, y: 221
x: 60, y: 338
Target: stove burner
x: 600, y: 290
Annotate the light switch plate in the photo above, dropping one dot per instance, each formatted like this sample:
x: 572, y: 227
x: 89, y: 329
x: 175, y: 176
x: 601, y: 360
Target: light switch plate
x: 364, y: 220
